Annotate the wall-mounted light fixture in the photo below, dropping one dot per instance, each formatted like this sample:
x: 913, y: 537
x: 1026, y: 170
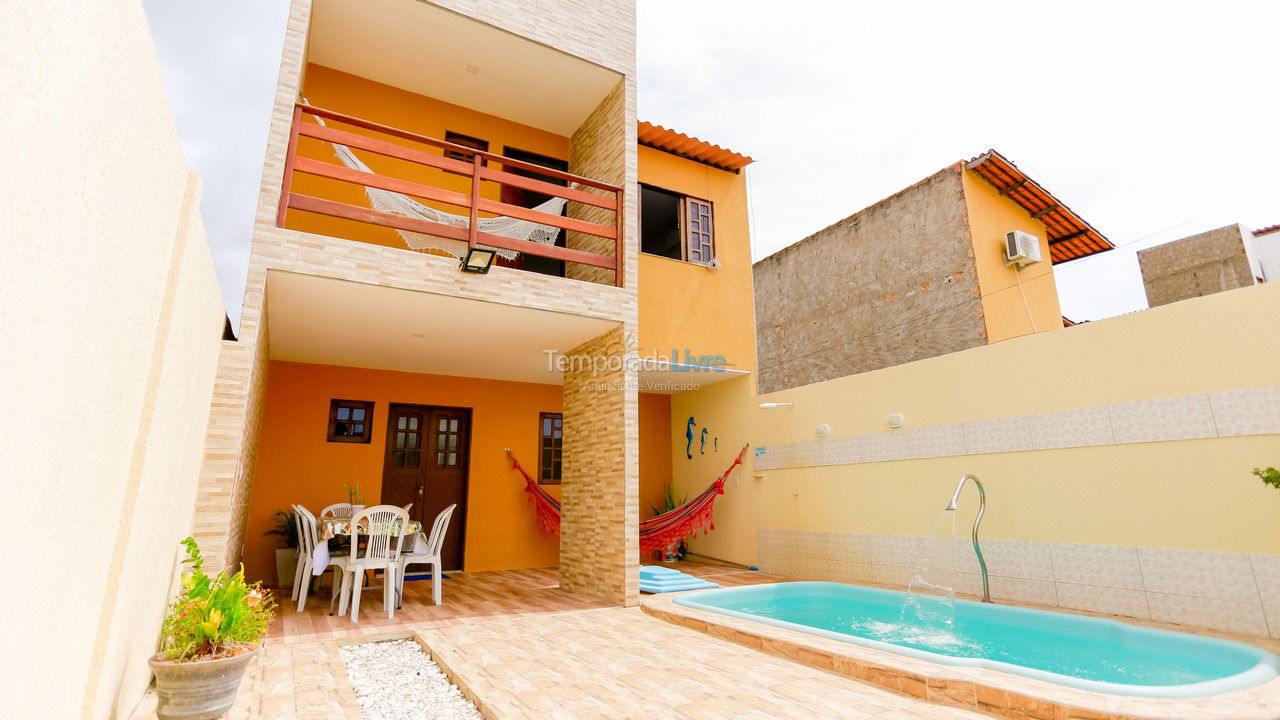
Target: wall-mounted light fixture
x: 774, y: 405
x: 824, y: 430
x: 896, y: 420
x: 478, y: 260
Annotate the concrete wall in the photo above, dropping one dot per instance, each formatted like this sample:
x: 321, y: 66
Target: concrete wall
x: 1203, y: 264
x: 112, y: 300
x: 893, y: 283
x: 1117, y: 466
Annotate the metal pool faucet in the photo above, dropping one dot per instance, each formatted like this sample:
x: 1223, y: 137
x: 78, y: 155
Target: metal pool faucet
x: 982, y: 506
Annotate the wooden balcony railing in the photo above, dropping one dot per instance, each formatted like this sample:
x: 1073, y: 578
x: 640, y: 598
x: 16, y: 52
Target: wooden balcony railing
x: 477, y: 170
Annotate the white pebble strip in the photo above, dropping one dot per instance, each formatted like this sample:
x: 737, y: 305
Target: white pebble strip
x: 396, y: 680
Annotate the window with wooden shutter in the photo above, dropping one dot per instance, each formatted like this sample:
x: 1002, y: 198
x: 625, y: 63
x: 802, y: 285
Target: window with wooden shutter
x: 676, y: 226
x: 699, y: 235
x: 550, y: 447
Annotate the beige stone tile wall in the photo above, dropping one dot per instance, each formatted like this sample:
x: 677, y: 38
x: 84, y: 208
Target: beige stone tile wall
x: 1231, y: 592
x: 599, y: 150
x: 599, y: 492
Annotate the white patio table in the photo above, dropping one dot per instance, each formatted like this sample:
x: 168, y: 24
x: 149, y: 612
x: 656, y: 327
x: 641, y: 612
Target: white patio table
x: 331, y: 527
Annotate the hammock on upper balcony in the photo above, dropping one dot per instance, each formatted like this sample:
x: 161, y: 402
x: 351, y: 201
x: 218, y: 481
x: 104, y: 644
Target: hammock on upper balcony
x: 401, y: 204
x: 656, y: 533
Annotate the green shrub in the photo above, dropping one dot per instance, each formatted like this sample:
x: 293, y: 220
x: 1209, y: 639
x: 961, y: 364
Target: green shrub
x: 1270, y: 476
x: 286, y: 528
x: 214, y: 617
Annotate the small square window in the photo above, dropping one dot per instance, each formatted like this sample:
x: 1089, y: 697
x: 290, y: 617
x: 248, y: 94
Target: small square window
x: 465, y: 141
x: 350, y: 421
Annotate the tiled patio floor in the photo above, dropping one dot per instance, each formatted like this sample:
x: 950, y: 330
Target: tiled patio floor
x: 620, y: 663
x: 467, y: 597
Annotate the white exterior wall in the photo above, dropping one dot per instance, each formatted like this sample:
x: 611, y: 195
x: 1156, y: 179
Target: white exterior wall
x: 111, y: 318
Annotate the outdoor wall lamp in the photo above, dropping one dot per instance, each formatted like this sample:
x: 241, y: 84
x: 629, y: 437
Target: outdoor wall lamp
x: 478, y: 260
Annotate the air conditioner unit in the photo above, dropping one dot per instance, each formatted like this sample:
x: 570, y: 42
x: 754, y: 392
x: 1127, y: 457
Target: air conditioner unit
x: 1021, y: 249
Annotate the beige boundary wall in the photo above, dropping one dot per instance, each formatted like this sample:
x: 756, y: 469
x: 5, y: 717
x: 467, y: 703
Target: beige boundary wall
x: 1116, y: 457
x: 111, y: 318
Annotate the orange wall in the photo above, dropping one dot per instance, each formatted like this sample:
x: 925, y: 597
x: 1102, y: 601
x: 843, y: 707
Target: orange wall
x: 334, y: 90
x: 655, y: 449
x: 682, y: 305
x: 297, y: 465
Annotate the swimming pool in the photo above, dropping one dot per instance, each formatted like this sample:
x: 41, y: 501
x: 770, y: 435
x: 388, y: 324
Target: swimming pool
x: 1074, y: 650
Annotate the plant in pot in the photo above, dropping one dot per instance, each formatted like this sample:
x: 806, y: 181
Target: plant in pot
x: 354, y: 498
x: 286, y: 529
x: 211, y: 633
x: 676, y: 550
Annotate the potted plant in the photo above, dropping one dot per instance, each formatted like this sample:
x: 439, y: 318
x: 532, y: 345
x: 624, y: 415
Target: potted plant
x: 286, y: 528
x: 353, y: 497
x: 676, y: 550
x: 211, y: 632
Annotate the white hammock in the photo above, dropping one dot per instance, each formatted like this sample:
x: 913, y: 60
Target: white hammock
x: 401, y: 204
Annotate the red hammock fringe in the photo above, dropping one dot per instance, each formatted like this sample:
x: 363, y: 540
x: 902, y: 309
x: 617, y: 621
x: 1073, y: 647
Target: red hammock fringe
x: 656, y: 533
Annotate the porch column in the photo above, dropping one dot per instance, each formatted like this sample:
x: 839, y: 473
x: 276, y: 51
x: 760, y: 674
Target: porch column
x: 600, y: 483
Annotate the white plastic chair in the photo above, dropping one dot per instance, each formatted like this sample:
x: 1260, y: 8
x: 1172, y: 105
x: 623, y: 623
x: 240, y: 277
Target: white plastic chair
x: 308, y: 536
x: 337, y: 510
x: 381, y: 552
x: 429, y: 556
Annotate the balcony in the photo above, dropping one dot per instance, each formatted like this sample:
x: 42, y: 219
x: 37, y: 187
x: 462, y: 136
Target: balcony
x: 412, y: 195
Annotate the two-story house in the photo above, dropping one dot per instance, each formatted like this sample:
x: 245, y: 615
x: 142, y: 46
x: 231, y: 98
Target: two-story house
x: 464, y: 243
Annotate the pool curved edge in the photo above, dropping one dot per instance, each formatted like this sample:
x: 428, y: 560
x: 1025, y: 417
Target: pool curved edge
x: 1265, y: 670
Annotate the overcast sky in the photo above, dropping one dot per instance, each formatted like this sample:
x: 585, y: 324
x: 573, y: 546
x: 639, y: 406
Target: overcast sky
x: 1151, y: 121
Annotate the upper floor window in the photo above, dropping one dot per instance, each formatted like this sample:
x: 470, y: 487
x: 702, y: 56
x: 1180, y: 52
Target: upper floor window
x: 676, y: 226
x: 466, y: 141
x: 350, y: 421
x: 550, y: 447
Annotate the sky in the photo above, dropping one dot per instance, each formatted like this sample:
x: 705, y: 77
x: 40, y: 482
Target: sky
x: 1152, y: 121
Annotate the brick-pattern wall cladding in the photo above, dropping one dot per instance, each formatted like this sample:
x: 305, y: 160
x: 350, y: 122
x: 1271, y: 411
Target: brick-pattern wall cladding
x: 231, y: 449
x: 599, y: 492
x: 1203, y: 264
x: 598, y: 150
x: 892, y: 284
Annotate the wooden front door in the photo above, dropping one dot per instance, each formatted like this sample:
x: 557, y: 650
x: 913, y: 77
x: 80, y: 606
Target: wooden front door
x: 426, y: 464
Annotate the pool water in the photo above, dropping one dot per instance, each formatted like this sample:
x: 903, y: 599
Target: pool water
x: 1079, y: 651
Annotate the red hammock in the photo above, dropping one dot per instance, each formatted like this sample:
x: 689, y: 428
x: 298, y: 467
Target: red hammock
x: 656, y: 533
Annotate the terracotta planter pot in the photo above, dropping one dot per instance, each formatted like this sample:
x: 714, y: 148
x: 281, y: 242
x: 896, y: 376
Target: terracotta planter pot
x: 198, y: 689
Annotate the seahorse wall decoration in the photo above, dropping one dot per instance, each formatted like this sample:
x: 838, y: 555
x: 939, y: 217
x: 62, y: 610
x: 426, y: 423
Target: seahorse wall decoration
x: 702, y: 448
x: 688, y: 436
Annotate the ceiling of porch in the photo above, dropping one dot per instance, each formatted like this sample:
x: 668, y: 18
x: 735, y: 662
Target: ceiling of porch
x: 337, y: 322
x: 428, y: 50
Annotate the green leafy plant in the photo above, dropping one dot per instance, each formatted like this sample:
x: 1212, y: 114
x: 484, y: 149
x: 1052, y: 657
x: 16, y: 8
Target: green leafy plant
x: 214, y: 617
x: 353, y: 494
x: 286, y: 528
x: 668, y: 504
x: 1270, y: 476
x: 668, y: 501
